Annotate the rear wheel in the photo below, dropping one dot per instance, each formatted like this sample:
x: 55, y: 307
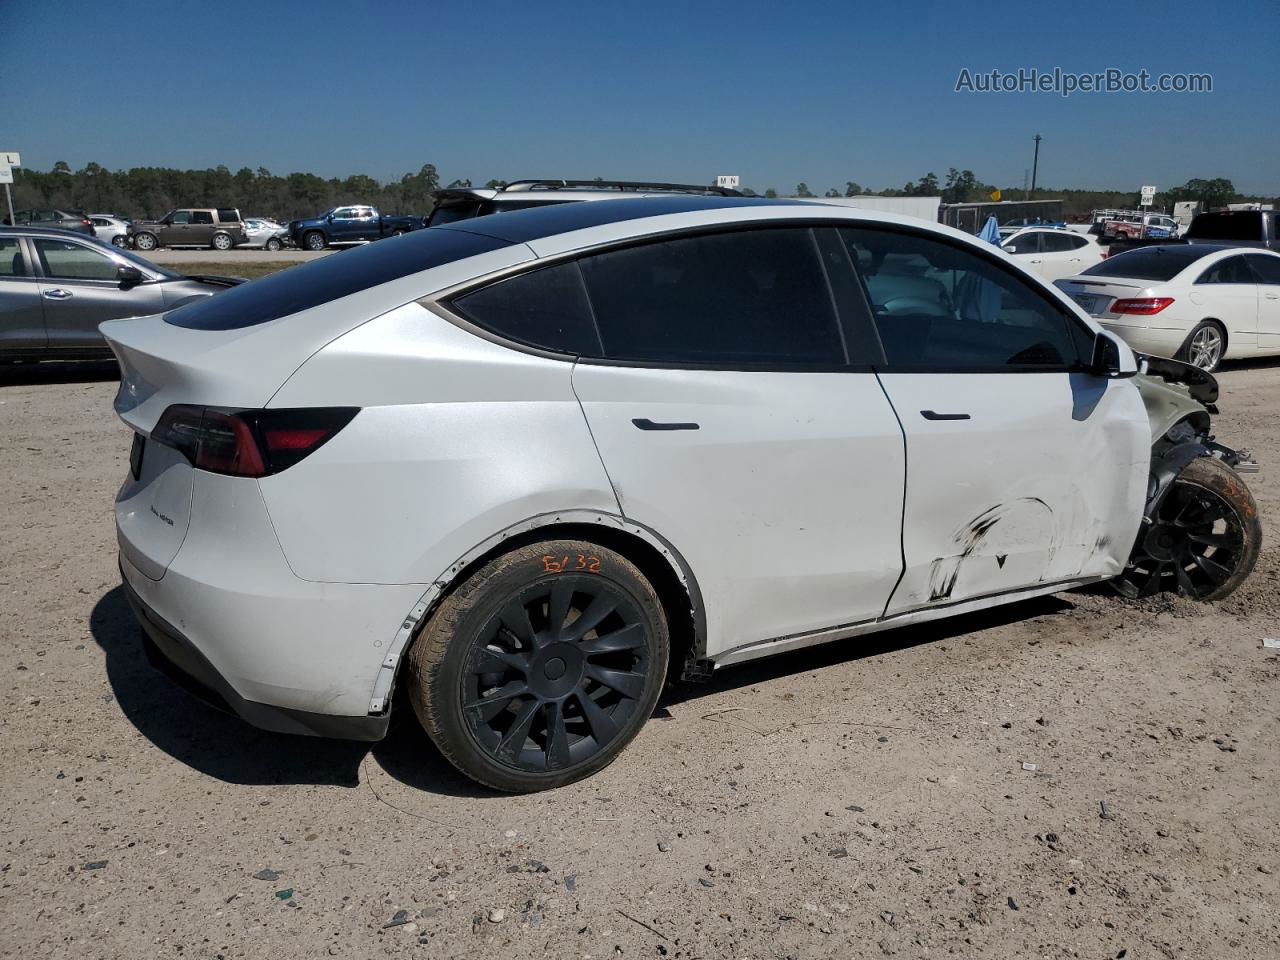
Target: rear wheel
x: 118, y: 240
x: 222, y: 241
x: 1203, y: 540
x: 274, y: 244
x: 542, y: 666
x: 1205, y: 347
x: 145, y: 241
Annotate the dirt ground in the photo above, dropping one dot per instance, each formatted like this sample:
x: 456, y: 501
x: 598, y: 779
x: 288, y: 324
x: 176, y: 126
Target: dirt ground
x: 861, y: 800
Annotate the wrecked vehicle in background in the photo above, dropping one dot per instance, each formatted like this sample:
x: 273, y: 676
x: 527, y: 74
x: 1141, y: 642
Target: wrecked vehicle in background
x: 522, y: 469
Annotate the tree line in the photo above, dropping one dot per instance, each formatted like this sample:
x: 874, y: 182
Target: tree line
x: 149, y: 192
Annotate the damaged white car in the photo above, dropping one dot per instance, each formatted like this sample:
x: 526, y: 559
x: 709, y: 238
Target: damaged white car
x: 519, y: 471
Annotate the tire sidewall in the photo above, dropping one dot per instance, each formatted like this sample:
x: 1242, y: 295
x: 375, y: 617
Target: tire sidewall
x: 468, y: 611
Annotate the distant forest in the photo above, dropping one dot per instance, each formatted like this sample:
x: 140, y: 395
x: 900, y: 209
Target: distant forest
x: 148, y: 192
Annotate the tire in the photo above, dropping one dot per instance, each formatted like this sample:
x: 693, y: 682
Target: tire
x: 1205, y: 347
x: 274, y: 244
x: 222, y: 241
x: 551, y: 711
x: 145, y: 241
x: 119, y: 241
x: 314, y: 240
x: 1204, y: 539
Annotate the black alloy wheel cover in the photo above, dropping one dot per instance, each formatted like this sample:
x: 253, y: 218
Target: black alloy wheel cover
x: 554, y: 677
x: 1193, y: 545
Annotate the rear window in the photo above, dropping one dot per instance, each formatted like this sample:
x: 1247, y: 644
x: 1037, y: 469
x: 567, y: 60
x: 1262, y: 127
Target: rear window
x: 303, y: 287
x: 1241, y: 225
x: 228, y: 216
x: 1148, y: 263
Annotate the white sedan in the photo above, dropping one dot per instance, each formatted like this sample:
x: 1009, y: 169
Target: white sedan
x: 265, y: 234
x: 1053, y: 253
x: 1202, y: 303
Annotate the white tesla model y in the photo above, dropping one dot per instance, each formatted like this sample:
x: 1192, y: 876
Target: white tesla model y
x: 520, y: 470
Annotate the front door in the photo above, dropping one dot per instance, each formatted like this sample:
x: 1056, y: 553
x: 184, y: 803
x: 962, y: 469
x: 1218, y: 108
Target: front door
x: 1023, y: 470
x: 731, y: 422
x: 175, y: 229
x: 21, y: 314
x: 79, y: 290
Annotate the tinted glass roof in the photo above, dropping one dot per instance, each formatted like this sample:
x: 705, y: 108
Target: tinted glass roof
x: 521, y: 226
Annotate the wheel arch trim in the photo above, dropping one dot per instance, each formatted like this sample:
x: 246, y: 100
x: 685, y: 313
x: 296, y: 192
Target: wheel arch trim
x: 393, y: 655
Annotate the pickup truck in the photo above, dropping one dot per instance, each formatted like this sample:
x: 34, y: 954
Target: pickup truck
x: 1237, y: 228
x: 344, y: 225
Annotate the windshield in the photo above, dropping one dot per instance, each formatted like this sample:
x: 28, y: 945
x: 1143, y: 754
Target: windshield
x: 1149, y: 263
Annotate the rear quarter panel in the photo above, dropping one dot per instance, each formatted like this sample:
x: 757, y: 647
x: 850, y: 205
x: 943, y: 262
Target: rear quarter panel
x: 458, y: 439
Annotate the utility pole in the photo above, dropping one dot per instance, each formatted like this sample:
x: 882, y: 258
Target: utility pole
x: 1035, y: 162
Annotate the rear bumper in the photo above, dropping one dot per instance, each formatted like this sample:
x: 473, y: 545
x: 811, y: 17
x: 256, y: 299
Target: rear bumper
x: 1159, y: 342
x: 182, y: 662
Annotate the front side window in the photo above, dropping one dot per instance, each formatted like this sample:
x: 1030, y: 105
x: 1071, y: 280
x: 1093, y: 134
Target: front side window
x: 11, y: 260
x: 941, y: 307
x: 546, y: 308
x: 1230, y: 270
x: 751, y: 298
x: 342, y: 213
x: 201, y: 216
x: 180, y: 216
x: 64, y: 260
x: 1025, y: 243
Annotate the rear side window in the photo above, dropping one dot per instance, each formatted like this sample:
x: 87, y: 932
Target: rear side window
x: 751, y: 297
x: 201, y: 216
x: 944, y: 308
x: 11, y: 262
x: 311, y: 284
x: 546, y: 308
x: 1230, y: 270
x: 228, y: 216
x: 1148, y: 263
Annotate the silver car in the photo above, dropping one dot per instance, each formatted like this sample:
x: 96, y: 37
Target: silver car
x: 111, y: 229
x: 57, y: 286
x: 265, y: 234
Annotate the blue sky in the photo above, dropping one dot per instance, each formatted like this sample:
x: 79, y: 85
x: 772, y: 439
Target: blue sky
x: 777, y: 93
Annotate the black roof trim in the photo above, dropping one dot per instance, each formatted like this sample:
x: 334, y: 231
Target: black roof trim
x: 521, y: 226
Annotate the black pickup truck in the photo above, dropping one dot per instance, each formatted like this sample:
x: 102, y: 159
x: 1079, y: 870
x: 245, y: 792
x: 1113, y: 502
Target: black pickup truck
x: 1236, y: 228
x: 354, y: 224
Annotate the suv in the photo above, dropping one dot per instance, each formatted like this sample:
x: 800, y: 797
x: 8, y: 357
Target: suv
x: 562, y: 454
x: 217, y: 227
x: 463, y: 203
x: 73, y: 220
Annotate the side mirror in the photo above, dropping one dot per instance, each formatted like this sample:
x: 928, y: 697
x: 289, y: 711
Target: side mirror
x: 329, y: 218
x: 1112, y: 357
x: 129, y: 275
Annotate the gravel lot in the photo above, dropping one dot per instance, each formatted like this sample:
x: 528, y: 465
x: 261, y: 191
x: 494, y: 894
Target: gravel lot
x: 863, y: 800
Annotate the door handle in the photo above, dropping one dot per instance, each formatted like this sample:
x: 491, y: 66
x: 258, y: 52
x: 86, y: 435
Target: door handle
x: 1272, y: 296
x: 644, y: 423
x: 57, y: 293
x: 933, y: 415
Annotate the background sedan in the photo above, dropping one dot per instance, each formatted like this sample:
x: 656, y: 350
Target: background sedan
x: 56, y: 287
x: 1202, y: 303
x: 265, y: 234
x: 111, y: 229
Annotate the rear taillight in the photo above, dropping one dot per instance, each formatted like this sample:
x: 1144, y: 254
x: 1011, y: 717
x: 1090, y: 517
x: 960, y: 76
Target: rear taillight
x: 1141, y: 306
x: 248, y: 443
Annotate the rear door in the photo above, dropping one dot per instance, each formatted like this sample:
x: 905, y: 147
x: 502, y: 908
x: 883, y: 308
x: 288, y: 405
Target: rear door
x: 1063, y: 254
x: 1023, y: 470
x: 21, y: 313
x: 79, y: 290
x: 202, y: 228
x: 737, y: 417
